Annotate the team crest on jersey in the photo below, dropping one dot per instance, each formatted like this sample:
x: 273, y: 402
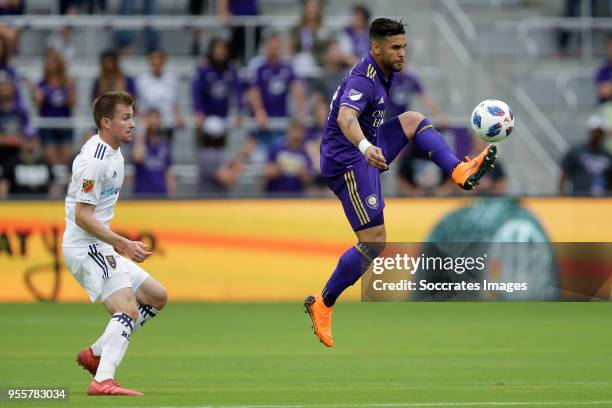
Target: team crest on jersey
x: 354, y: 95
x: 88, y: 185
x: 372, y: 201
x: 111, y: 261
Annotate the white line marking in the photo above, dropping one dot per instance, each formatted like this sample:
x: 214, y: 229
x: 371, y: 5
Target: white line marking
x: 413, y: 404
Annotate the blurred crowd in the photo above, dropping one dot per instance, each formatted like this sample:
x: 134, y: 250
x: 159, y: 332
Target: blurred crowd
x: 280, y: 84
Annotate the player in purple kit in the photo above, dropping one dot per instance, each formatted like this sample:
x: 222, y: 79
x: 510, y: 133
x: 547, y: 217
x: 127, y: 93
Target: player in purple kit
x: 357, y: 146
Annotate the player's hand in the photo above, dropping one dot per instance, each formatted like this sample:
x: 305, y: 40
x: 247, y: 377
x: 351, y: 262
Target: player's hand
x: 136, y: 251
x: 375, y: 158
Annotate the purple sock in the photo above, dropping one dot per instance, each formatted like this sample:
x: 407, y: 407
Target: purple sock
x: 352, y: 264
x: 433, y: 146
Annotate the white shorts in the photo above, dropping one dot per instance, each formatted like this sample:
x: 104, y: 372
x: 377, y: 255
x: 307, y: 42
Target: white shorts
x: 101, y: 271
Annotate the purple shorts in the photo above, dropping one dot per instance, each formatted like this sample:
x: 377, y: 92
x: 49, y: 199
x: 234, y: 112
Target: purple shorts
x: 359, y: 187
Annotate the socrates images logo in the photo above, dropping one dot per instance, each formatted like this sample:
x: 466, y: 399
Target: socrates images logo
x: 372, y: 201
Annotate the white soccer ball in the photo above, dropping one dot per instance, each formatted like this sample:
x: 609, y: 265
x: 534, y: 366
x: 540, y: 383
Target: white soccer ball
x: 492, y: 120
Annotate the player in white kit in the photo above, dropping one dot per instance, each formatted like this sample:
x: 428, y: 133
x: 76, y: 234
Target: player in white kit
x: 99, y: 259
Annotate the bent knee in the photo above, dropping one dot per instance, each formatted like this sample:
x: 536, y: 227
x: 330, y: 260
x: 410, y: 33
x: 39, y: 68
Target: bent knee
x: 380, y: 237
x: 410, y: 121
x: 160, y: 300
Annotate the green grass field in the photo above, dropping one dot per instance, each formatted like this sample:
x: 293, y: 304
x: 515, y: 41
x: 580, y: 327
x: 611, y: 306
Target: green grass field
x: 387, y: 355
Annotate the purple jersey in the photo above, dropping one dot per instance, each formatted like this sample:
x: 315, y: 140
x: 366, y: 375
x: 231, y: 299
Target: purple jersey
x: 366, y: 90
x: 212, y: 89
x: 405, y: 86
x: 151, y: 173
x: 274, y: 82
x: 55, y: 101
x: 291, y: 162
x: 604, y: 74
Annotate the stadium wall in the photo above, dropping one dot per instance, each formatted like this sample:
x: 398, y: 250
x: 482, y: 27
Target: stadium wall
x: 243, y: 250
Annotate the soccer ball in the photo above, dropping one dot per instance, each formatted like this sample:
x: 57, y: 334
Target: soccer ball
x: 492, y: 120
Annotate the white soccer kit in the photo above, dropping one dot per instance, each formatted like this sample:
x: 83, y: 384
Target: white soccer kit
x: 97, y: 177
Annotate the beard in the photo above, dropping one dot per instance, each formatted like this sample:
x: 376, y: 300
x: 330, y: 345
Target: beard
x: 395, y: 67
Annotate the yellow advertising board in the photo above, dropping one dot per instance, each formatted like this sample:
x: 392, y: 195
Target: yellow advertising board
x: 243, y: 250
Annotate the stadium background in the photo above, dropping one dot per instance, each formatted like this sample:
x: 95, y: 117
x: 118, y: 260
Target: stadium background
x: 536, y: 55
x: 250, y: 247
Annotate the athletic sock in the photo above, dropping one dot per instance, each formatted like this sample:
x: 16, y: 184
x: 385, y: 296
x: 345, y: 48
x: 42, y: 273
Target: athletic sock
x: 352, y: 264
x: 117, y: 335
x: 433, y: 146
x: 145, y: 313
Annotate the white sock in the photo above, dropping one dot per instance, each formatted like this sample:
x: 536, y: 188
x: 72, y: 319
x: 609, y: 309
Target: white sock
x: 145, y: 313
x: 96, y: 348
x: 117, y: 337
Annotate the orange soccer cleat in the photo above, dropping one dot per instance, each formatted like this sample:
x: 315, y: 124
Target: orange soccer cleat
x: 321, y: 318
x: 110, y: 387
x: 88, y: 361
x: 467, y: 174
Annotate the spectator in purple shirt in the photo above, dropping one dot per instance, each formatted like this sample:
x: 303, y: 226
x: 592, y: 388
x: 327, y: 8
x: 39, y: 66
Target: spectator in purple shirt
x: 14, y: 121
x: 405, y: 86
x: 111, y: 77
x: 603, y: 79
x: 271, y: 84
x: 355, y: 39
x: 214, y: 87
x: 289, y: 168
x: 55, y: 96
x: 152, y: 159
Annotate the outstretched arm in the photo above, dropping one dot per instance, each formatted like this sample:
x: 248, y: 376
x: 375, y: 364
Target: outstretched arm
x: 348, y: 121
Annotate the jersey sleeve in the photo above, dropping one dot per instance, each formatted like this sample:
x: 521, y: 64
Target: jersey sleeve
x: 358, y: 92
x: 90, y: 180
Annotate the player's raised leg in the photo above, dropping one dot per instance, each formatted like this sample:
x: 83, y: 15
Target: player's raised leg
x: 123, y: 307
x: 415, y: 127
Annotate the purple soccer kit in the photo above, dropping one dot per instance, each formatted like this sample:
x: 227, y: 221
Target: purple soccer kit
x: 344, y: 168
x: 347, y: 173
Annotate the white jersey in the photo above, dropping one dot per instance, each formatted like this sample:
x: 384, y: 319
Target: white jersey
x: 97, y: 177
